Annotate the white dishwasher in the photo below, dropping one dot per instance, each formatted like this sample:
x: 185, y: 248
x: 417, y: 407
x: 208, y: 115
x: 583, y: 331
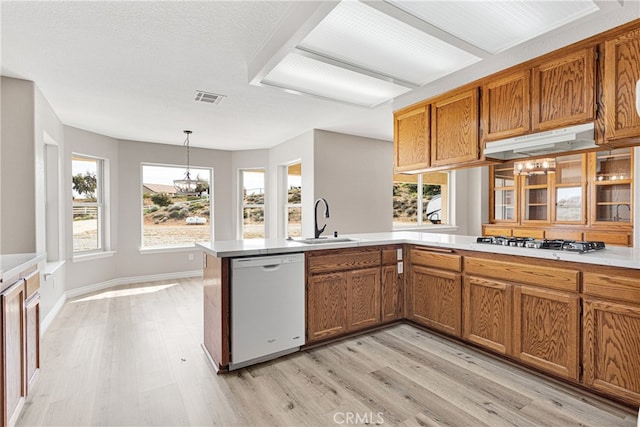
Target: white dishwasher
x: 267, y: 308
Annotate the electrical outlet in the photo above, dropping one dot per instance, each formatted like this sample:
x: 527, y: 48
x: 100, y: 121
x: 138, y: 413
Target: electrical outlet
x: 399, y: 254
x: 190, y: 257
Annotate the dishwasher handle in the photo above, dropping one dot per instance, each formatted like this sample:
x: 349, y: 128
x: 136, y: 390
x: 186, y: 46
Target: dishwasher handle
x: 271, y: 267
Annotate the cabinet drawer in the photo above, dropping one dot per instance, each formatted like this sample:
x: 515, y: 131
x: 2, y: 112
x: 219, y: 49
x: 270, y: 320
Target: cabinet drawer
x: 527, y: 232
x: 563, y: 235
x: 612, y: 287
x: 32, y: 283
x: 547, y: 277
x: 496, y: 231
x: 390, y: 255
x: 341, y: 260
x: 616, y: 239
x: 440, y: 260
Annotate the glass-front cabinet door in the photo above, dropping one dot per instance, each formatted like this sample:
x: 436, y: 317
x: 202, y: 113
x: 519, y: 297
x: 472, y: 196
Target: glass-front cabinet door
x: 536, y: 197
x: 504, y: 193
x: 570, y: 189
x: 613, y: 186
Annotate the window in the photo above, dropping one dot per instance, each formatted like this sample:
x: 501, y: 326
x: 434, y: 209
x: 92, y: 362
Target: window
x: 293, y: 204
x: 420, y: 199
x: 252, y: 209
x: 88, y: 204
x: 171, y: 220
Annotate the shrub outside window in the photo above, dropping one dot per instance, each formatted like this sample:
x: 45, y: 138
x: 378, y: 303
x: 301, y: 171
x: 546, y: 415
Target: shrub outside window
x: 173, y: 220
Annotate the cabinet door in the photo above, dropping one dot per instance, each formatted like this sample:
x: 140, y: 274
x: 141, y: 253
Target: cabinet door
x: 363, y: 298
x: 506, y: 106
x: 563, y: 90
x: 391, y: 303
x: 13, y: 349
x: 454, y: 129
x: 546, y: 330
x: 611, y: 348
x: 435, y: 299
x: 621, y: 72
x: 411, y: 139
x: 487, y: 313
x: 326, y: 306
x: 32, y: 321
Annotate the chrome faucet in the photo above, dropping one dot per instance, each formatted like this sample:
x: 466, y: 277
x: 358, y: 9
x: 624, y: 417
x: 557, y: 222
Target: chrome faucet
x: 318, y: 231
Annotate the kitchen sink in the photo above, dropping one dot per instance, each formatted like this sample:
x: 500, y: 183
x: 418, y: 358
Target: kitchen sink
x: 321, y: 240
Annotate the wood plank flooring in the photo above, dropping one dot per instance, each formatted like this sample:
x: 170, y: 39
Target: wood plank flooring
x: 132, y: 356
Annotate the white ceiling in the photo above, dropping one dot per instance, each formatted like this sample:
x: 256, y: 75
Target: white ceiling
x: 130, y: 70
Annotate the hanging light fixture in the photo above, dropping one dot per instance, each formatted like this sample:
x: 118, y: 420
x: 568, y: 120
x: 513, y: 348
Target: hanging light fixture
x: 188, y: 186
x: 534, y: 167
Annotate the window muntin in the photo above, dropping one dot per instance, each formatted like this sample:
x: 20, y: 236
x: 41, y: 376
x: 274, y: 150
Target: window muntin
x: 252, y: 204
x: 293, y: 203
x: 420, y: 199
x: 170, y: 220
x: 87, y: 186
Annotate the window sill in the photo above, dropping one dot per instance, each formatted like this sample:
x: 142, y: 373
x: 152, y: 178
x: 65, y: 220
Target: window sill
x: 92, y: 256
x: 161, y: 250
x: 431, y: 228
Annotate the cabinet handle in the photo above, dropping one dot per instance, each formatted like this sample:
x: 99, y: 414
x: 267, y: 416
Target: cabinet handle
x: 441, y: 250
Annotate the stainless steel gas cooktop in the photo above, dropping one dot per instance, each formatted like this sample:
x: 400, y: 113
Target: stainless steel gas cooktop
x: 556, y: 244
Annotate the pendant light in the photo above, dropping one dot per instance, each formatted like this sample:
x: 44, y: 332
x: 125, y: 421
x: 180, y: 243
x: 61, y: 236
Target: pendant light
x: 189, y: 186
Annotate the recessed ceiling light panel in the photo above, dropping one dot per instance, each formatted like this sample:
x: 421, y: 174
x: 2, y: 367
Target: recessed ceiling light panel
x: 307, y: 75
x: 357, y: 34
x: 495, y: 26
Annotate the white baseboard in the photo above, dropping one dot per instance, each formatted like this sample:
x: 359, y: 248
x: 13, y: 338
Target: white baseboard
x: 46, y: 322
x: 73, y: 293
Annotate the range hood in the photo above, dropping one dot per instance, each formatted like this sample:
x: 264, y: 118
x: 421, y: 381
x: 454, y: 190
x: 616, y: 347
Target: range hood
x: 573, y: 138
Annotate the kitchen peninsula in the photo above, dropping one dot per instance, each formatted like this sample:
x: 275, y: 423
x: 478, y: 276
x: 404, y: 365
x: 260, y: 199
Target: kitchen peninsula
x: 573, y: 316
x: 20, y: 314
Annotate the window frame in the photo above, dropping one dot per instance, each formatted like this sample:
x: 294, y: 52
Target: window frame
x: 183, y: 246
x: 421, y: 223
x: 242, y: 206
x: 286, y: 205
x: 101, y: 205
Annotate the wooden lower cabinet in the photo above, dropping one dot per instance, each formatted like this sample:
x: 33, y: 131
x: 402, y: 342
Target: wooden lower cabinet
x: 391, y: 294
x: 338, y: 303
x: 611, y: 331
x: 435, y: 299
x: 326, y: 306
x: 363, y: 298
x: 343, y: 292
x: 546, y: 330
x: 13, y: 351
x: 32, y: 327
x: 487, y: 312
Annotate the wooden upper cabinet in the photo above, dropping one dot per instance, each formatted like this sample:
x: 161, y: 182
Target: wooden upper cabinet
x: 621, y: 72
x: 454, y: 128
x: 506, y: 106
x: 563, y: 90
x: 411, y: 139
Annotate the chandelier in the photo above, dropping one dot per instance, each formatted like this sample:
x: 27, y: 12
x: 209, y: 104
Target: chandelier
x: 189, y: 186
x: 534, y: 167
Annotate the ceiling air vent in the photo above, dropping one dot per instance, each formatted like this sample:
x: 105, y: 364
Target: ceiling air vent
x: 208, y: 97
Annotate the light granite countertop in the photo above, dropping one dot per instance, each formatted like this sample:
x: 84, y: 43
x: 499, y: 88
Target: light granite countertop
x: 615, y: 256
x: 11, y: 265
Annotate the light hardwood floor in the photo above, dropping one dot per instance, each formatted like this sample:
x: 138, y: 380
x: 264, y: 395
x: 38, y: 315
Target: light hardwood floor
x: 132, y: 356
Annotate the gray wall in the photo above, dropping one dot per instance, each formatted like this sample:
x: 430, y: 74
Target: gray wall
x: 355, y: 175
x: 18, y: 214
